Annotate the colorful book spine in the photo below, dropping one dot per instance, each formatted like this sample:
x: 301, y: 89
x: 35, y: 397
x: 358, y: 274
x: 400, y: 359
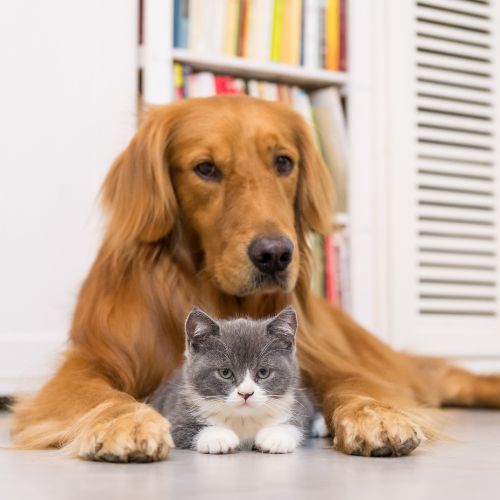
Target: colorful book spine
x: 178, y: 81
x: 311, y: 33
x: 181, y: 23
x: 277, y: 37
x: 343, y: 36
x: 332, y: 35
x: 231, y: 27
x: 331, y: 281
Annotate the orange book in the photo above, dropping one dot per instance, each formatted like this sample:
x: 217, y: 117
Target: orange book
x: 292, y: 30
x: 332, y: 35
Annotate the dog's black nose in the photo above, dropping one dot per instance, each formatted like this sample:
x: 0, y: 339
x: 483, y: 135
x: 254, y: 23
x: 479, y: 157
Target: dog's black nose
x: 271, y: 254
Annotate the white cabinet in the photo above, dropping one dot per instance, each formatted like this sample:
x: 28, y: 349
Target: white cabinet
x: 443, y: 82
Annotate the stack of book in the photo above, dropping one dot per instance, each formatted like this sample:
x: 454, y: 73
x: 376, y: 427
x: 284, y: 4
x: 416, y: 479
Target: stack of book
x: 331, y: 276
x: 322, y: 109
x: 311, y: 33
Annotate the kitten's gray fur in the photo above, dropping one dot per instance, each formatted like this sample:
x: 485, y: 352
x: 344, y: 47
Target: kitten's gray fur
x: 192, y: 399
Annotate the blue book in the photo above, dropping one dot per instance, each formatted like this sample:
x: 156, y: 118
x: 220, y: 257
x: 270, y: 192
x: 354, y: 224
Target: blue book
x: 181, y: 23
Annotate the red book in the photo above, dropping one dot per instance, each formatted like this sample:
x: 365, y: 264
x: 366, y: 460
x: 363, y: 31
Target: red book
x: 227, y: 85
x: 331, y: 282
x: 343, y: 36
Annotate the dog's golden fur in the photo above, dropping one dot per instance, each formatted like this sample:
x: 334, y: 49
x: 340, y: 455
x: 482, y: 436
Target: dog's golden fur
x: 174, y: 240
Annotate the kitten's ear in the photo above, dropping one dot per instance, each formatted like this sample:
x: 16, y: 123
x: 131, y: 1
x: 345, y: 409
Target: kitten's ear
x: 199, y: 325
x: 284, y: 325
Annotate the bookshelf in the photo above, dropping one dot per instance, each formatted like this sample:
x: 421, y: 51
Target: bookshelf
x: 306, y: 78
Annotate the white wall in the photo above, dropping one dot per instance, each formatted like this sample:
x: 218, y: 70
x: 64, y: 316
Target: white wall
x: 67, y: 107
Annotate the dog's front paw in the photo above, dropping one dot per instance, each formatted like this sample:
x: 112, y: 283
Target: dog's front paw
x: 376, y: 430
x: 141, y: 435
x: 216, y: 440
x: 278, y: 439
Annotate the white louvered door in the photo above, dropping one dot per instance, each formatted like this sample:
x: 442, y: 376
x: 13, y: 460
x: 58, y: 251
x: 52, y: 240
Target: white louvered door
x: 444, y: 195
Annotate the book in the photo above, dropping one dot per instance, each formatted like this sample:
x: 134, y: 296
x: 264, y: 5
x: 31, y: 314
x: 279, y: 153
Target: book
x: 277, y: 34
x: 291, y: 32
x: 197, y: 35
x: 343, y: 36
x: 261, y: 30
x: 332, y: 35
x: 243, y: 27
x: 178, y: 81
x: 181, y: 23
x: 331, y: 126
x: 311, y: 34
x: 331, y: 270
x: 201, y: 84
x: 317, y: 247
x: 231, y: 27
x: 215, y: 15
x: 229, y: 85
x: 336, y: 269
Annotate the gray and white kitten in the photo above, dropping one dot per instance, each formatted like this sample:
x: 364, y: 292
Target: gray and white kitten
x: 239, y: 386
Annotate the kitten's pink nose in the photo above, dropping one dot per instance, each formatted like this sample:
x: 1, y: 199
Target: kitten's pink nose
x: 245, y: 395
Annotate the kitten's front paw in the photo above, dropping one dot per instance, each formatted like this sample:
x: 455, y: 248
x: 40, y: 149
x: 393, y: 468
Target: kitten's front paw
x: 216, y: 440
x: 319, y: 428
x: 278, y: 439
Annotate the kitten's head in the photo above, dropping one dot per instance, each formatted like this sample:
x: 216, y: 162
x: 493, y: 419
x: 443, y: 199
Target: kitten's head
x: 241, y: 363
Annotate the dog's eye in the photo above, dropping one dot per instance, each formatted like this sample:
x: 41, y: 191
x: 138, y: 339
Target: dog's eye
x: 263, y: 372
x: 207, y: 171
x: 283, y: 164
x: 225, y: 373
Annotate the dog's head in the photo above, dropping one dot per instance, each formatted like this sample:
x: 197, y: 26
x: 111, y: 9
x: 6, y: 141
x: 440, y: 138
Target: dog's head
x: 239, y: 178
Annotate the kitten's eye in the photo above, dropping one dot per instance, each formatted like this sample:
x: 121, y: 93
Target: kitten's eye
x: 283, y: 164
x: 263, y: 372
x: 225, y: 373
x: 208, y: 171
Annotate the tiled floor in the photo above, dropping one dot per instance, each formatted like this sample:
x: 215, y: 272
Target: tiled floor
x: 466, y: 468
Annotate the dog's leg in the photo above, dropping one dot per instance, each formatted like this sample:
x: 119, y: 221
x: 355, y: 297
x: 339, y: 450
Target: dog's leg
x: 78, y: 410
x: 367, y: 418
x: 372, y: 396
x: 459, y: 387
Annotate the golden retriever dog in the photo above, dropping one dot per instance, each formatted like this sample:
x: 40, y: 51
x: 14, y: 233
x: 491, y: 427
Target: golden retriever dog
x: 211, y: 204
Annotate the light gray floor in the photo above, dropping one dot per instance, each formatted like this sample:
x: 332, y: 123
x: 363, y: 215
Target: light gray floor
x: 466, y: 468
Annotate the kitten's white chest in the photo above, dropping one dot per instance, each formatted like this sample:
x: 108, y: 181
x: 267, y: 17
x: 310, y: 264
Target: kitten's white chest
x: 246, y: 427
x: 247, y: 423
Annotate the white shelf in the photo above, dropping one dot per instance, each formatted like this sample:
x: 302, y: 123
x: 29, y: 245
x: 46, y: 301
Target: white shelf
x: 249, y: 68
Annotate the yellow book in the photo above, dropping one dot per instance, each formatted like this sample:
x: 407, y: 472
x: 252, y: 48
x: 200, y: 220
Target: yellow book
x: 231, y: 27
x: 277, y: 30
x: 332, y: 35
x: 291, y: 36
x: 178, y: 76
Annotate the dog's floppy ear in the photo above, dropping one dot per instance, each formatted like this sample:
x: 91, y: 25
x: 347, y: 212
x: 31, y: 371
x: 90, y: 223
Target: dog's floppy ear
x: 138, y: 192
x: 316, y: 196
